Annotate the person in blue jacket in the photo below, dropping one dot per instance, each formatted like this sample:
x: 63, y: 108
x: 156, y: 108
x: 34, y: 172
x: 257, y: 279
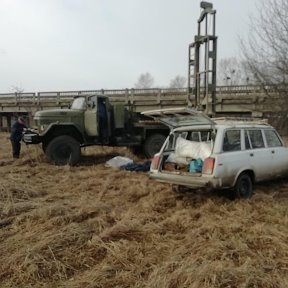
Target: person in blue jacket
x: 102, y: 121
x: 16, y: 136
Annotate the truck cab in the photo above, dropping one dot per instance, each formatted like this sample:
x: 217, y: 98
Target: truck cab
x: 81, y: 117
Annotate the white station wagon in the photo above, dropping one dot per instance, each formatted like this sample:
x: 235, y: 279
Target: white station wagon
x: 203, y: 152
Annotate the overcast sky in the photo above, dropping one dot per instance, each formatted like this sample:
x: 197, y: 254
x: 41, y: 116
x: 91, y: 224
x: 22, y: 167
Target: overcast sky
x: 93, y: 44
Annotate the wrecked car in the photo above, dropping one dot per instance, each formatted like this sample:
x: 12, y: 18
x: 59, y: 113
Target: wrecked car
x: 219, y: 153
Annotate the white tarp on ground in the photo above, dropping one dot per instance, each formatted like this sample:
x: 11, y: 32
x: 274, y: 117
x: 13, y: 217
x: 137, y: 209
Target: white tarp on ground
x: 118, y: 161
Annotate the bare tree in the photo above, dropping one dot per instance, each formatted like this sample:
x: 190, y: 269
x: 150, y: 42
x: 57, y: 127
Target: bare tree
x: 17, y: 89
x: 178, y: 82
x: 144, y: 81
x: 232, y: 71
x: 18, y: 92
x: 265, y: 52
x: 265, y: 49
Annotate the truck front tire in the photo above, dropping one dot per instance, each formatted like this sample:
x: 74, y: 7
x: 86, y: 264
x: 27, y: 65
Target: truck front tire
x: 63, y: 150
x: 153, y: 144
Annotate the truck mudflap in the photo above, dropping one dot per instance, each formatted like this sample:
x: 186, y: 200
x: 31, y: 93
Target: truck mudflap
x: 31, y: 137
x: 187, y: 180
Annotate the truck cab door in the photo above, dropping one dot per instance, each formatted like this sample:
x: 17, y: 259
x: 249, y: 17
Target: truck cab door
x: 90, y: 117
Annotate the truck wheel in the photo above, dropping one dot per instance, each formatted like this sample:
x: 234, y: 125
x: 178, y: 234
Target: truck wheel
x: 243, y: 187
x: 63, y: 150
x: 153, y: 144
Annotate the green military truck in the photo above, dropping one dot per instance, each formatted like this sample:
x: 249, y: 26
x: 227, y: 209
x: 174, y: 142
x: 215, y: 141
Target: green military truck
x: 63, y: 132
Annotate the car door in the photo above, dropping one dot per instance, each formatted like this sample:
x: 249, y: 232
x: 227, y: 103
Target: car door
x: 233, y: 159
x: 279, y: 153
x: 260, y: 156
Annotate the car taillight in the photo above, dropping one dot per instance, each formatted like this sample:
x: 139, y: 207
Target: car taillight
x: 208, y: 165
x: 155, y: 162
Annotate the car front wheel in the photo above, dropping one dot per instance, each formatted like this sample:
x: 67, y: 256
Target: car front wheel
x: 243, y: 187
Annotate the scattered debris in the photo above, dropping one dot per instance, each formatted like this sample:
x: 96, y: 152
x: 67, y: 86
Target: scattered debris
x: 144, y: 167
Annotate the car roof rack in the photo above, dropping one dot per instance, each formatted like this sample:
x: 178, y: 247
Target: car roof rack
x: 241, y: 120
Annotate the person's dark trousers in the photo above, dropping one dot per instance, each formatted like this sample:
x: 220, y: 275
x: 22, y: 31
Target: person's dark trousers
x: 16, y: 146
x: 103, y: 130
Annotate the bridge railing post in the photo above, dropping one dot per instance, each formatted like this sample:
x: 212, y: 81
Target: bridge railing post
x: 126, y: 96
x: 38, y: 98
x: 132, y: 95
x: 158, y: 99
x: 58, y: 98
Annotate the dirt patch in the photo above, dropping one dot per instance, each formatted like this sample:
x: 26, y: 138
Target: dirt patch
x: 91, y: 226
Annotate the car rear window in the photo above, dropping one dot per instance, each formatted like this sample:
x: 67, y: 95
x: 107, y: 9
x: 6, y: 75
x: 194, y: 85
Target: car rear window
x: 200, y: 136
x: 197, y: 136
x: 172, y: 140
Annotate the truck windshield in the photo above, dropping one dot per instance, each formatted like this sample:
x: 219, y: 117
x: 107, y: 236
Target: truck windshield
x: 79, y: 104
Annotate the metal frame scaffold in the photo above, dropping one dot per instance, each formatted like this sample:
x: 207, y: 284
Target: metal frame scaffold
x: 202, y: 76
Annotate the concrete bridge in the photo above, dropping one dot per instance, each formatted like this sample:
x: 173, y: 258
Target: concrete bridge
x: 256, y: 101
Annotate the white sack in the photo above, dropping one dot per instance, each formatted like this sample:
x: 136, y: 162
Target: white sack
x: 173, y: 158
x: 192, y: 149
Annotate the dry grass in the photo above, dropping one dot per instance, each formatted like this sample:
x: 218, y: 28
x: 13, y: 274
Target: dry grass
x: 91, y: 226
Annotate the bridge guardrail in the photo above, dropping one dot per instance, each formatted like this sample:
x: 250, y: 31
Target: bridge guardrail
x: 132, y: 95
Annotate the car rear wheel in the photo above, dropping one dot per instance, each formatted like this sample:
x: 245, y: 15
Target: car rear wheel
x: 63, y: 150
x: 179, y: 188
x: 243, y: 187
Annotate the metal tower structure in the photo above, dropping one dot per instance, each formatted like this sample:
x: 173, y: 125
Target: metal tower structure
x: 203, y: 60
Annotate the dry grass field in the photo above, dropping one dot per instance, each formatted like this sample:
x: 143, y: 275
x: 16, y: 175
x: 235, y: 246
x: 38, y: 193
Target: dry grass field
x: 92, y: 226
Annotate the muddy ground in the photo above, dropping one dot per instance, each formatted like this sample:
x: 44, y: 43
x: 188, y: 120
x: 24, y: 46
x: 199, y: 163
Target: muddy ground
x: 92, y: 226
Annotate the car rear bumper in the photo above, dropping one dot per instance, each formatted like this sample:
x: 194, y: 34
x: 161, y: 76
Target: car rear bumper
x: 193, y: 181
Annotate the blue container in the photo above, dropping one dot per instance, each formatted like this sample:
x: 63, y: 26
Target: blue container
x: 196, y: 166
